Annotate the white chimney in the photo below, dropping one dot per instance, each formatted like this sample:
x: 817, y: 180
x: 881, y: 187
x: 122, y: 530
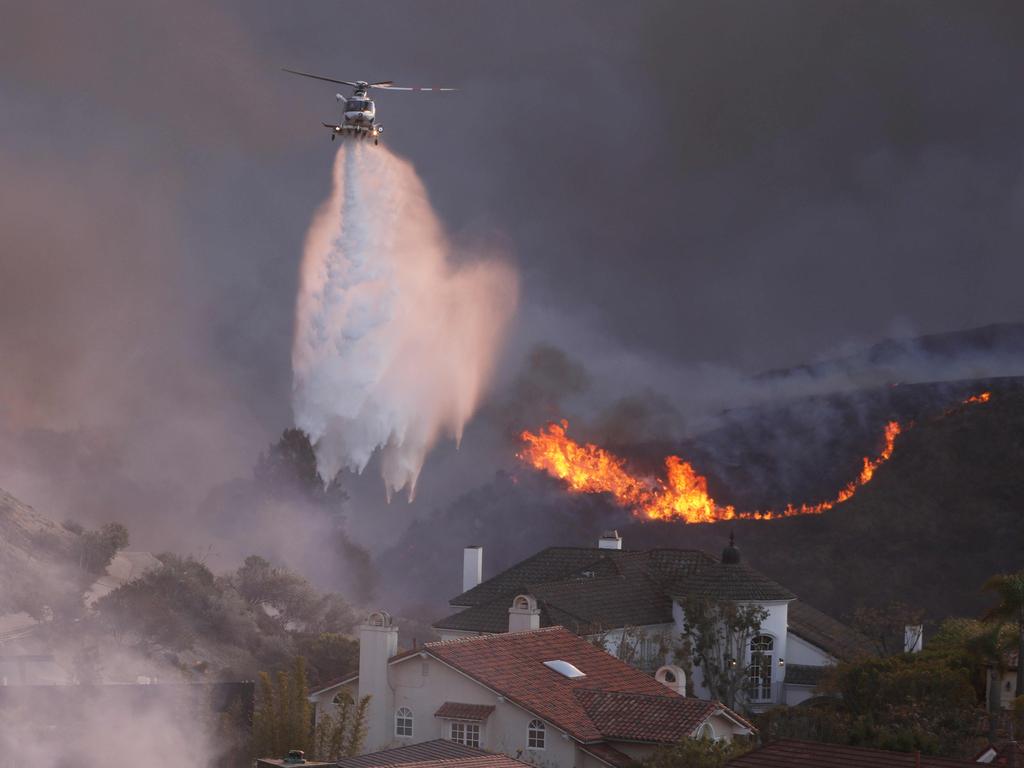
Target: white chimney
x: 610, y: 540
x: 472, y: 566
x: 524, y: 614
x: 913, y: 638
x: 378, y: 642
x: 672, y: 677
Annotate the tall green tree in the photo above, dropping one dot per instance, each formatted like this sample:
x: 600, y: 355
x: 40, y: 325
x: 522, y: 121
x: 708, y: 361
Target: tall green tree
x: 343, y: 732
x: 1009, y: 588
x: 283, y: 719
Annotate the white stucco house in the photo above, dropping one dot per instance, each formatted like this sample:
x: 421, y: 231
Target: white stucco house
x: 632, y: 602
x: 544, y: 696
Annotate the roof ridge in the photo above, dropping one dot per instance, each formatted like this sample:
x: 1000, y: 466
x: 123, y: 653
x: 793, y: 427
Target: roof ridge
x: 669, y: 695
x: 490, y: 636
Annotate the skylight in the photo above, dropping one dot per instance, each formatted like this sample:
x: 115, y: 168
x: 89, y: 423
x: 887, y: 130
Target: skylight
x: 564, y: 668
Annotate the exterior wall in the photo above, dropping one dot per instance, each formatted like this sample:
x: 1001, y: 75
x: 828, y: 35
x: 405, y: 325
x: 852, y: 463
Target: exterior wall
x: 802, y: 652
x: 1007, y: 688
x: 324, y: 702
x: 658, y: 637
x: 776, y: 625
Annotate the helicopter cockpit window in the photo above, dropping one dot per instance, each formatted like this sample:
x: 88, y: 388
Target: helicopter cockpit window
x: 354, y: 105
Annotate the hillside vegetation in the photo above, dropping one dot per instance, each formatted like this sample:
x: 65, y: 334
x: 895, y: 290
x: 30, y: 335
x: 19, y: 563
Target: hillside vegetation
x: 941, y: 516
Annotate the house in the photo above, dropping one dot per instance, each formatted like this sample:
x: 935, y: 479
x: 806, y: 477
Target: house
x: 440, y: 753
x: 544, y: 696
x: 631, y: 602
x: 812, y: 754
x: 1005, y: 678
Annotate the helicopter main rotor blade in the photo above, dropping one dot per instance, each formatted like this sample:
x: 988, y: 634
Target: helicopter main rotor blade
x: 409, y: 88
x: 320, y: 77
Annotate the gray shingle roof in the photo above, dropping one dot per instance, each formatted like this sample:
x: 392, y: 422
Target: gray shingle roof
x: 803, y: 674
x: 551, y: 564
x: 832, y: 636
x: 592, y: 589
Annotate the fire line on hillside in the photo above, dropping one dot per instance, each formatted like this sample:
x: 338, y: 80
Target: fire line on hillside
x: 683, y: 493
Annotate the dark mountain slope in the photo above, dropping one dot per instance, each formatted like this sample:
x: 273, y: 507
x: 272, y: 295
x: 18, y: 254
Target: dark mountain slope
x: 941, y: 516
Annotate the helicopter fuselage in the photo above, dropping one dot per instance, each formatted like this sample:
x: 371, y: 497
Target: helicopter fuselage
x: 358, y: 117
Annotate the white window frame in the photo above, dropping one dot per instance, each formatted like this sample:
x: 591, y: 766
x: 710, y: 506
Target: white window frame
x: 536, y: 735
x: 471, y: 733
x: 404, y: 721
x: 759, y: 673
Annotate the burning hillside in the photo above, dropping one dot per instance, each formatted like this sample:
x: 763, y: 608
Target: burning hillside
x: 682, y: 494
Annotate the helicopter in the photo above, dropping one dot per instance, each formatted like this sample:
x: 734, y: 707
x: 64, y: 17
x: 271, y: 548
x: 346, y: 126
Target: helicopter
x: 359, y: 114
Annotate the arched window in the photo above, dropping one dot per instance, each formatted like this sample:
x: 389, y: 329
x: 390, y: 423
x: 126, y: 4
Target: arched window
x: 403, y: 722
x: 706, y: 731
x: 535, y: 732
x: 759, y: 673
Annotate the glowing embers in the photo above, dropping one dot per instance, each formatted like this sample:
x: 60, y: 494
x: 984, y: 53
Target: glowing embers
x: 683, y: 493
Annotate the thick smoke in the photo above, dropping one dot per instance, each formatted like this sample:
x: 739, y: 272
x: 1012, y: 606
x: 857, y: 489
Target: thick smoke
x: 393, y: 344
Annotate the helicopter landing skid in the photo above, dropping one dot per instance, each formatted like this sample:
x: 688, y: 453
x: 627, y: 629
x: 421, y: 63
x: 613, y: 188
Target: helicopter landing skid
x: 355, y: 131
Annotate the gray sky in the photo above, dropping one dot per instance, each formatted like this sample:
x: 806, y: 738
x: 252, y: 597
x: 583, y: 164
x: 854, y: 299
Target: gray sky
x: 749, y: 184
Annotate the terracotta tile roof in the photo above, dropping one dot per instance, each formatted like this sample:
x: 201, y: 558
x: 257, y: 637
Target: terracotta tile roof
x: 638, y: 717
x: 832, y: 636
x: 810, y: 754
x: 609, y: 755
x: 512, y: 665
x: 439, y: 753
x: 453, y: 710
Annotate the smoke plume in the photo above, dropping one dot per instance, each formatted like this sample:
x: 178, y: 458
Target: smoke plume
x: 393, y: 343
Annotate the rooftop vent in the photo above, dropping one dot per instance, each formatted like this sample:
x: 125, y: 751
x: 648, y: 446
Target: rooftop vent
x: 565, y: 669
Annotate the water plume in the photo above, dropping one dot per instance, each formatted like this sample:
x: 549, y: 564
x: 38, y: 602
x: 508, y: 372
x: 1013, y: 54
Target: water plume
x: 394, y: 344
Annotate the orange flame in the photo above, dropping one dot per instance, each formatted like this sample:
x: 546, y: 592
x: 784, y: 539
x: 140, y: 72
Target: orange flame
x: 683, y: 493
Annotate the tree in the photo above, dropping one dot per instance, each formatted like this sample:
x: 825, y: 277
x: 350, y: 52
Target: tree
x: 342, y: 733
x: 330, y: 654
x: 290, y: 465
x: 282, y: 720
x: 716, y: 637
x: 885, y: 626
x: 1009, y: 588
x: 696, y: 753
x: 909, y: 702
x: 95, y: 549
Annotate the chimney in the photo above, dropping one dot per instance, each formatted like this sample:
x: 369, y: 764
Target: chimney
x: 378, y: 642
x: 472, y: 566
x: 610, y: 540
x: 672, y: 677
x: 524, y: 614
x: 913, y: 638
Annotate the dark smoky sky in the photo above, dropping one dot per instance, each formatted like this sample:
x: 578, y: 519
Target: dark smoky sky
x: 748, y: 184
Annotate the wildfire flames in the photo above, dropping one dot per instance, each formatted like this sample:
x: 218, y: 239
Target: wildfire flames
x: 683, y: 493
